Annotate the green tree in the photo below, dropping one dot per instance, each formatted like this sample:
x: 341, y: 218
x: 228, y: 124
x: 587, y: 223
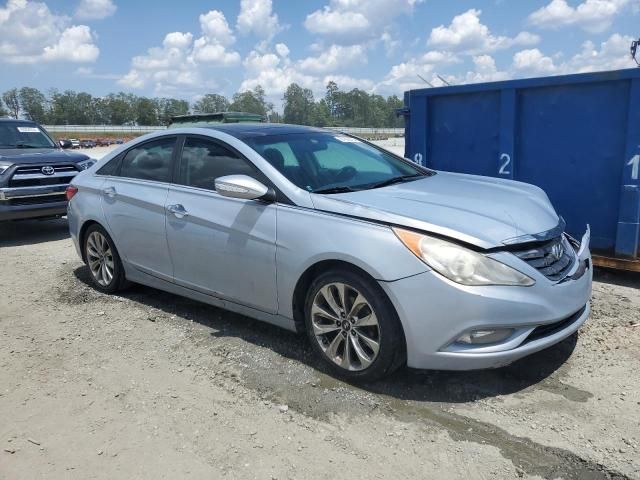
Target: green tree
x: 393, y: 120
x: 211, y: 103
x: 120, y: 108
x: 170, y: 107
x: 330, y: 98
x: 298, y: 105
x: 33, y: 103
x: 146, y: 112
x: 3, y: 111
x: 320, y: 115
x: 12, y: 101
x: 251, y: 101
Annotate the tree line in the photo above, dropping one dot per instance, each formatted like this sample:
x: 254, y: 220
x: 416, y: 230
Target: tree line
x: 354, y: 108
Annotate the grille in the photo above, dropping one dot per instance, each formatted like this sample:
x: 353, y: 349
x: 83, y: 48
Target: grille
x: 32, y: 176
x: 542, y: 331
x: 553, y: 258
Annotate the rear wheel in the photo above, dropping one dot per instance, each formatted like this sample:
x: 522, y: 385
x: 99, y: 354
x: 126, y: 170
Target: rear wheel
x: 353, y: 326
x: 107, y: 272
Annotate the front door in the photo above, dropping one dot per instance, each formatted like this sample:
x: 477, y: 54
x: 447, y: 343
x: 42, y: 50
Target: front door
x: 133, y: 200
x: 220, y: 246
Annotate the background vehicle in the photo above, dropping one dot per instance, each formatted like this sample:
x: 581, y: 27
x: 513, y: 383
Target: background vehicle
x: 75, y: 143
x: 200, y: 119
x: 378, y: 260
x: 64, y: 143
x: 87, y: 143
x: 34, y: 171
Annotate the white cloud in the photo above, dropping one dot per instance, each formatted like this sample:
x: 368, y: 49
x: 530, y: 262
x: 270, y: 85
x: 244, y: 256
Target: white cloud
x: 275, y: 72
x: 356, y: 21
x: 591, y: 15
x: 31, y: 33
x: 74, y: 45
x: 613, y: 55
x: 466, y: 33
x: 95, y: 9
x: 334, y: 58
x: 407, y: 75
x: 257, y: 17
x: 183, y: 64
x: 533, y: 62
x: 485, y: 70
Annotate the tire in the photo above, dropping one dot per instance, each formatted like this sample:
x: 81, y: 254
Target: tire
x: 102, y: 258
x: 372, y: 321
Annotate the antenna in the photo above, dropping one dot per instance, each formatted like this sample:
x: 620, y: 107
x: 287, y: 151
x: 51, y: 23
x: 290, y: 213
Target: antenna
x: 423, y: 79
x: 634, y: 47
x: 443, y: 80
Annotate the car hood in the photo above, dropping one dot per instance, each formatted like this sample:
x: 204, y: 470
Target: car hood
x: 482, y: 211
x: 26, y: 156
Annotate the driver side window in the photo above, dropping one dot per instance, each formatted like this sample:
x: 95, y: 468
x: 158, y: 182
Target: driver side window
x: 204, y: 160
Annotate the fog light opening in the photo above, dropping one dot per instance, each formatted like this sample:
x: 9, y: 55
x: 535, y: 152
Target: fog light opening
x: 485, y: 336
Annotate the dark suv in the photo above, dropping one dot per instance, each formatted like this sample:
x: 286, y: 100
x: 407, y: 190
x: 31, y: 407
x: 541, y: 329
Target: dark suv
x: 34, y: 171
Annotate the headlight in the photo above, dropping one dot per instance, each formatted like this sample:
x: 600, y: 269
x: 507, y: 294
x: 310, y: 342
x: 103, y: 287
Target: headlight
x: 460, y: 264
x: 4, y: 166
x: 83, y: 165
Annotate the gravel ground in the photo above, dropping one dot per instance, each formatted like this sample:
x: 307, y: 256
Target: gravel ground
x: 150, y: 385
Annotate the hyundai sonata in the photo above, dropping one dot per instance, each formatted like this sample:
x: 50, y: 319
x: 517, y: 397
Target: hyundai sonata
x: 380, y: 261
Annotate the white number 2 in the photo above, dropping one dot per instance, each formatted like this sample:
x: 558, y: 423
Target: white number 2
x: 503, y: 168
x: 634, y: 163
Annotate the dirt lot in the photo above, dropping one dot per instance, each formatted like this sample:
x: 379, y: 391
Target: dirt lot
x: 149, y: 385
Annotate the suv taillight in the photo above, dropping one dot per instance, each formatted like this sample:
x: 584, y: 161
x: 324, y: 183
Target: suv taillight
x: 71, y: 191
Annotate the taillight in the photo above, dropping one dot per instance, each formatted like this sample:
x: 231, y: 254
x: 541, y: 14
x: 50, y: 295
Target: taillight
x: 71, y: 191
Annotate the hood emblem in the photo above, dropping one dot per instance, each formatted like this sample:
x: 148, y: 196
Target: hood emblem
x: 47, y: 170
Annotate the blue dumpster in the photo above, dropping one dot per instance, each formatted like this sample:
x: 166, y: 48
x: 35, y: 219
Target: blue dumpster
x: 575, y: 136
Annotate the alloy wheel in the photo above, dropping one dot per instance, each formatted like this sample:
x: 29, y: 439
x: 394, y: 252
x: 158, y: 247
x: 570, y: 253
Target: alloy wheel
x: 345, y: 326
x: 100, y: 258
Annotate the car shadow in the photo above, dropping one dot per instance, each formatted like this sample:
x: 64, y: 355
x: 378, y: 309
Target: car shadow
x: 31, y: 232
x: 405, y: 384
x: 619, y: 278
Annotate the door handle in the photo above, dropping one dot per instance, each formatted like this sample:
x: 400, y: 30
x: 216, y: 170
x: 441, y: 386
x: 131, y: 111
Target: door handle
x: 109, y: 192
x: 177, y: 210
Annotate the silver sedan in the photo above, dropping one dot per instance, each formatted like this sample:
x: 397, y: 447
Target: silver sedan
x: 381, y: 262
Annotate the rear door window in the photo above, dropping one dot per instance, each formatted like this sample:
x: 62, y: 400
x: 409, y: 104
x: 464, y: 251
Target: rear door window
x: 150, y: 161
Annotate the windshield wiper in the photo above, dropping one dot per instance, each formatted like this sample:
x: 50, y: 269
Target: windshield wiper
x: 26, y: 145
x: 335, y: 190
x: 394, y: 180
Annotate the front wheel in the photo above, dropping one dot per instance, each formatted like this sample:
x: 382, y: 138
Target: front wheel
x: 101, y: 256
x: 353, y: 326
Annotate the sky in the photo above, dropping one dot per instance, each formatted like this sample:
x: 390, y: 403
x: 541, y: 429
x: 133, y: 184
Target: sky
x: 188, y: 48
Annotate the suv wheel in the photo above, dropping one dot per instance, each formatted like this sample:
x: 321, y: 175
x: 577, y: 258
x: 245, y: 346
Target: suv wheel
x: 103, y: 260
x: 353, y: 326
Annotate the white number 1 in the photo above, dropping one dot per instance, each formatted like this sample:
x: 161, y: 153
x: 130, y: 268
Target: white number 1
x: 635, y: 166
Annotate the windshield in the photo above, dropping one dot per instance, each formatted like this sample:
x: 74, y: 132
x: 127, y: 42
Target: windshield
x: 20, y: 135
x: 332, y: 163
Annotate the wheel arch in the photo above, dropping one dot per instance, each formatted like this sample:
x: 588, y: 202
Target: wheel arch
x: 82, y: 234
x: 311, y: 273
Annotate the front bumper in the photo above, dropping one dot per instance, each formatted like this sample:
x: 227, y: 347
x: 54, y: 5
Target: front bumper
x: 434, y: 312
x: 24, y: 212
x: 31, y: 196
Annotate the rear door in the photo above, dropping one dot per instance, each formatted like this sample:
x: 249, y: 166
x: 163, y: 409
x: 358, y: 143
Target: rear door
x: 221, y: 246
x: 133, y: 200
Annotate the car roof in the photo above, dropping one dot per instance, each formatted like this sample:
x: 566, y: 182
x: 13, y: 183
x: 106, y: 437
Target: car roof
x: 250, y: 130
x: 14, y: 120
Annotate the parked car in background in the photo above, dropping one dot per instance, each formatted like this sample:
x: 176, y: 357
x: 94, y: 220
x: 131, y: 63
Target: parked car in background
x: 34, y: 171
x: 200, y: 119
x: 75, y: 143
x: 102, y: 142
x: 119, y: 141
x: 65, y: 143
x: 87, y: 143
x: 380, y: 261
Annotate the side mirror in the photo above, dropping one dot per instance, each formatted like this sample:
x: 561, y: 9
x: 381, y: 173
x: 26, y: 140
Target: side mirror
x: 245, y: 187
